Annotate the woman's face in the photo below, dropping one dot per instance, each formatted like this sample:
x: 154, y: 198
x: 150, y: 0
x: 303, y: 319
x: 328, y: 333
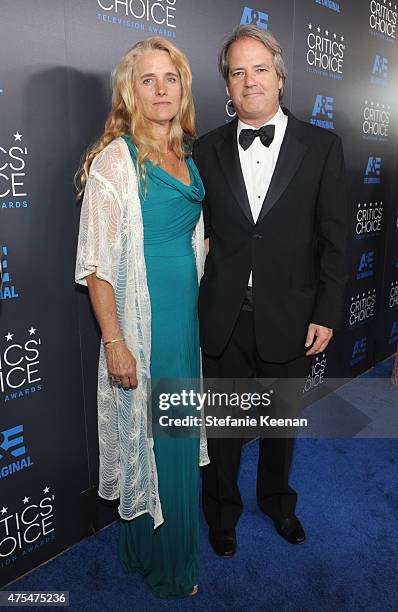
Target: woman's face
x: 158, y: 87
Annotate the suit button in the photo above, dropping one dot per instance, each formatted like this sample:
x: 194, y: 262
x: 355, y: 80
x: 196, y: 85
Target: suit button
x: 257, y: 236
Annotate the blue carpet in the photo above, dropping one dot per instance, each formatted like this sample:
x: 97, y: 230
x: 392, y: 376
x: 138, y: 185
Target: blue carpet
x: 348, y: 503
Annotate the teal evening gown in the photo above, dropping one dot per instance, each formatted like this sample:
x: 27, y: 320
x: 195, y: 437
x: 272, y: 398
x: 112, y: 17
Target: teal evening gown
x: 168, y: 557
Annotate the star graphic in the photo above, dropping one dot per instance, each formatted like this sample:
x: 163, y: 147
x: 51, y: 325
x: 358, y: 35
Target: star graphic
x: 310, y: 26
x: 9, y: 336
x: 17, y: 136
x: 32, y: 331
x: 46, y: 490
x: 342, y: 38
x: 4, y: 510
x: 327, y: 32
x: 318, y: 29
x: 334, y: 34
x: 25, y: 500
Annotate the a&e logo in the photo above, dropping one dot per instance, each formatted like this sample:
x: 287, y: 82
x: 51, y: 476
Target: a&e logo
x: 379, y: 74
x: 254, y: 17
x: 13, y: 455
x: 373, y: 171
x: 366, y: 265
x: 322, y: 112
x: 359, y: 351
x: 7, y: 289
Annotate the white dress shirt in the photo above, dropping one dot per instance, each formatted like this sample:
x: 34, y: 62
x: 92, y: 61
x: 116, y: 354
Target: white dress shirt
x: 258, y: 163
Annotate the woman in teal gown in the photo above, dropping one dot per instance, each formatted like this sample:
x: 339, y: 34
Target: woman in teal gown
x: 152, y: 110
x: 168, y: 556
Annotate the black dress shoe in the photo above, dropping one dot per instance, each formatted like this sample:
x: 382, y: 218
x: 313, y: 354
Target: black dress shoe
x: 290, y: 529
x: 223, y: 542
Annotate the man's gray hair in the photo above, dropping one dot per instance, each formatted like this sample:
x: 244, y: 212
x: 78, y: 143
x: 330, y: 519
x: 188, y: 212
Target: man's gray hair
x: 265, y: 37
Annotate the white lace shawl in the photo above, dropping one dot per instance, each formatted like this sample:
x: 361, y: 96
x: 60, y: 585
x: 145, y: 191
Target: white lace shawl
x: 111, y: 244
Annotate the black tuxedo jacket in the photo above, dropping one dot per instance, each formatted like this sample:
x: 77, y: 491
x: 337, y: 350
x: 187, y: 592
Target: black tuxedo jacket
x: 296, y: 249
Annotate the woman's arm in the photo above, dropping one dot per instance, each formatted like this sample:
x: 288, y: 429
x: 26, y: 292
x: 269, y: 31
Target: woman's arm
x: 121, y: 363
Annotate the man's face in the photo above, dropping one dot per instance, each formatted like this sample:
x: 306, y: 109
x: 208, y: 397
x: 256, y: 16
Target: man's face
x: 253, y: 84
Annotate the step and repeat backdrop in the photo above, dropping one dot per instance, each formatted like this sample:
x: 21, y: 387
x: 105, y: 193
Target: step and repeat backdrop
x: 56, y: 58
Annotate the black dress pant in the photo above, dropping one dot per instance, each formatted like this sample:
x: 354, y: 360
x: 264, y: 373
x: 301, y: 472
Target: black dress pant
x: 222, y: 502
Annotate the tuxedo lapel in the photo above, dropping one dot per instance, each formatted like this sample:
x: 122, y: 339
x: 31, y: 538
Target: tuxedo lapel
x: 227, y: 151
x: 290, y: 155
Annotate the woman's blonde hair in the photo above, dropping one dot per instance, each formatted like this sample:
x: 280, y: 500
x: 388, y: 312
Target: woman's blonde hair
x: 125, y: 116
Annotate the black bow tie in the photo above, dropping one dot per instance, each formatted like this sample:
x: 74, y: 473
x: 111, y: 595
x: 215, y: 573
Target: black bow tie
x: 265, y: 133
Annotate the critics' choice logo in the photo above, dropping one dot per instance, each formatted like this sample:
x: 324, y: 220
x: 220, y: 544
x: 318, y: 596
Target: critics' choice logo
x: 7, y: 289
x: 13, y: 158
x: 362, y: 307
x: 368, y: 219
x: 329, y: 4
x: 375, y: 120
x: 27, y: 528
x: 154, y: 16
x: 366, y: 265
x: 372, y: 174
x: 379, y: 72
x: 20, y: 366
x: 359, y: 351
x: 325, y: 52
x: 316, y: 376
x: 393, y: 295
x: 254, y: 17
x: 383, y: 19
x: 322, y: 112
x: 393, y: 339
x: 13, y: 453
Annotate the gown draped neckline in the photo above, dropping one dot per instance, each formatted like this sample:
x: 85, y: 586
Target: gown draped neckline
x: 194, y: 192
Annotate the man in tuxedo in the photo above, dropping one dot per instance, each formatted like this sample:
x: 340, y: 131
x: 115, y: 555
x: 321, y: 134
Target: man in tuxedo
x: 273, y: 288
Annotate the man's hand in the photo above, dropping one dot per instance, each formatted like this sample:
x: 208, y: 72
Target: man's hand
x: 323, y: 336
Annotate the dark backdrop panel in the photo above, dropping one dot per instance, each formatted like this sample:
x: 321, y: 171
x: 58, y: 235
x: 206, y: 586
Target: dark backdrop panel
x: 43, y: 462
x: 57, y: 56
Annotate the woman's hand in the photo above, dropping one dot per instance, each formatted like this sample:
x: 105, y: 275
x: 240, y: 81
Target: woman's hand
x: 121, y: 365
